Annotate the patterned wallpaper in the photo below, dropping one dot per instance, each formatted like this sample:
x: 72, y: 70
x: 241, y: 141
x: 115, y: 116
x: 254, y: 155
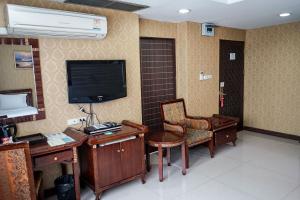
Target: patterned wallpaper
x: 152, y: 28
x: 122, y: 42
x: 272, y: 78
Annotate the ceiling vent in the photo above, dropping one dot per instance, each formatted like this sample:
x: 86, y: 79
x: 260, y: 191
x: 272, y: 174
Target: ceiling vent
x: 111, y: 4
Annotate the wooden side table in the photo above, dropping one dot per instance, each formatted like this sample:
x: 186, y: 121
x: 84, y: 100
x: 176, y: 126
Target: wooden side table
x: 166, y: 139
x: 224, y: 129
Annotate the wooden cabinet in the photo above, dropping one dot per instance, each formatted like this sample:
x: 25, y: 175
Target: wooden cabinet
x: 226, y: 136
x: 224, y: 129
x: 107, y: 161
x: 109, y: 164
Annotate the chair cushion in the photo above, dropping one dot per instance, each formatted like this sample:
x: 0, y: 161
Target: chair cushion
x: 198, y: 136
x: 174, y: 112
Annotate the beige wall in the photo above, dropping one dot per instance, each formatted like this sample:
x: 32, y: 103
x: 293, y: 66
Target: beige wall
x: 12, y: 78
x: 194, y: 53
x: 122, y: 42
x: 272, y: 78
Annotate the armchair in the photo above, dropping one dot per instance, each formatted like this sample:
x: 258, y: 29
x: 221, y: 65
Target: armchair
x: 197, y: 129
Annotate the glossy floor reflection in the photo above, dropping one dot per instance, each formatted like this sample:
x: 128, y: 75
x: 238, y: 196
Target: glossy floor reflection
x: 260, y: 167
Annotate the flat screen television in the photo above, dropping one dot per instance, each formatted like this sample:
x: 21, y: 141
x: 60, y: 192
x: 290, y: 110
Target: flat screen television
x: 96, y: 81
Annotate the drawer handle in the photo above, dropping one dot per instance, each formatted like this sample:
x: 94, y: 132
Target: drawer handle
x: 55, y: 158
x: 118, y: 151
x: 227, y: 136
x: 122, y: 150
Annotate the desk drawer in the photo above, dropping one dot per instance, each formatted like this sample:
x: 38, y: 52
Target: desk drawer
x: 53, y: 158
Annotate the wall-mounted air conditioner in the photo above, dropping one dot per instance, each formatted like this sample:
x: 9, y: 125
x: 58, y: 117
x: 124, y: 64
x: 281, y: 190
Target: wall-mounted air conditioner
x: 31, y: 21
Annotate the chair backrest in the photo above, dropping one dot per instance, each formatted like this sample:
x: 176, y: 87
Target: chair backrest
x: 16, y: 175
x: 173, y: 111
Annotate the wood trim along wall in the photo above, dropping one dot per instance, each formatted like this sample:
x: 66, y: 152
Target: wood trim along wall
x: 273, y: 133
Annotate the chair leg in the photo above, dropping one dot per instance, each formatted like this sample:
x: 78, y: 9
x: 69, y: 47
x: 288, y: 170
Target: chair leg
x: 211, y: 148
x: 160, y: 163
x: 169, y: 156
x: 183, y: 157
x: 187, y: 160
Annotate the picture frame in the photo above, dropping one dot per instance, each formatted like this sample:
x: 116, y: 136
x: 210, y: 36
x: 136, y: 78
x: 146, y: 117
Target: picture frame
x: 23, y: 59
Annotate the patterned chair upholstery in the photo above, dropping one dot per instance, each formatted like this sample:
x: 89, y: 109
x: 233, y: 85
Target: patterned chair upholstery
x: 16, y: 182
x: 197, y: 129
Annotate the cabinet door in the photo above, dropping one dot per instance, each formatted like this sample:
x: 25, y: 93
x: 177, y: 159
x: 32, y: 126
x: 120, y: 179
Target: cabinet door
x: 109, y: 164
x: 132, y: 157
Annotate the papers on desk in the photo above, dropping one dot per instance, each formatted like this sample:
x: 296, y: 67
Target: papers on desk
x: 56, y: 139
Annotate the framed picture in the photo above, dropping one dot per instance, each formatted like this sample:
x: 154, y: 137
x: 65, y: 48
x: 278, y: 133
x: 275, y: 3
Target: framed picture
x: 23, y: 59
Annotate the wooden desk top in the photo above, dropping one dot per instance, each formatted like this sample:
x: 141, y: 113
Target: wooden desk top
x: 42, y: 149
x: 220, y: 122
x: 165, y: 139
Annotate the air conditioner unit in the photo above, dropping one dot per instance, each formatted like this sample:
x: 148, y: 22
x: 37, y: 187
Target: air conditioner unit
x: 31, y: 21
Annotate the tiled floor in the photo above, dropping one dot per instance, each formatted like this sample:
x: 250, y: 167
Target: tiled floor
x: 260, y: 167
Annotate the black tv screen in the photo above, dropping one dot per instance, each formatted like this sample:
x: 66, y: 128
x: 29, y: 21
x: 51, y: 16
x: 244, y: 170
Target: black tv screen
x: 95, y: 81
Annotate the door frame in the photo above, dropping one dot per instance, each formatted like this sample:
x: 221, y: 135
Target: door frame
x: 241, y: 123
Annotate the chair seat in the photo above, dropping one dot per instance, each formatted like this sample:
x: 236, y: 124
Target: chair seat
x: 196, y: 136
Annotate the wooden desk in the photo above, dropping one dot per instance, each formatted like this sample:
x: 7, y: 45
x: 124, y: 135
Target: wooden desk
x: 44, y: 155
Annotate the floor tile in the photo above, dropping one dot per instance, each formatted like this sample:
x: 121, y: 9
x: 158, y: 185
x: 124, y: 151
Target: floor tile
x: 261, y: 183
x: 294, y: 195
x: 174, y: 182
x: 215, y: 191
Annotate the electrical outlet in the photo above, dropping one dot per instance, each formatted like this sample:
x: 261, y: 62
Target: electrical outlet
x: 82, y: 119
x: 75, y: 121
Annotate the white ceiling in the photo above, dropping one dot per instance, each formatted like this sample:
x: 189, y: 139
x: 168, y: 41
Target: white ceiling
x: 245, y: 14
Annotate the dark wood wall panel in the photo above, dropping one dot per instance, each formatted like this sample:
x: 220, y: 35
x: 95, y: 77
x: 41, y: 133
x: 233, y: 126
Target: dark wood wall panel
x: 158, y: 73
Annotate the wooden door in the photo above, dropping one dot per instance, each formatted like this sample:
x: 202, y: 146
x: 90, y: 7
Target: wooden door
x: 132, y: 157
x: 109, y: 164
x: 232, y: 78
x: 158, y: 77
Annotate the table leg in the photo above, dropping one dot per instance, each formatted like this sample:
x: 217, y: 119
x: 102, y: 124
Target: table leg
x: 148, y: 158
x: 76, y: 173
x: 183, y: 155
x: 160, y: 163
x: 169, y: 156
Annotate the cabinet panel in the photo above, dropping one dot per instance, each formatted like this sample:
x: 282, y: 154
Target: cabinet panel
x: 132, y: 157
x: 109, y: 164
